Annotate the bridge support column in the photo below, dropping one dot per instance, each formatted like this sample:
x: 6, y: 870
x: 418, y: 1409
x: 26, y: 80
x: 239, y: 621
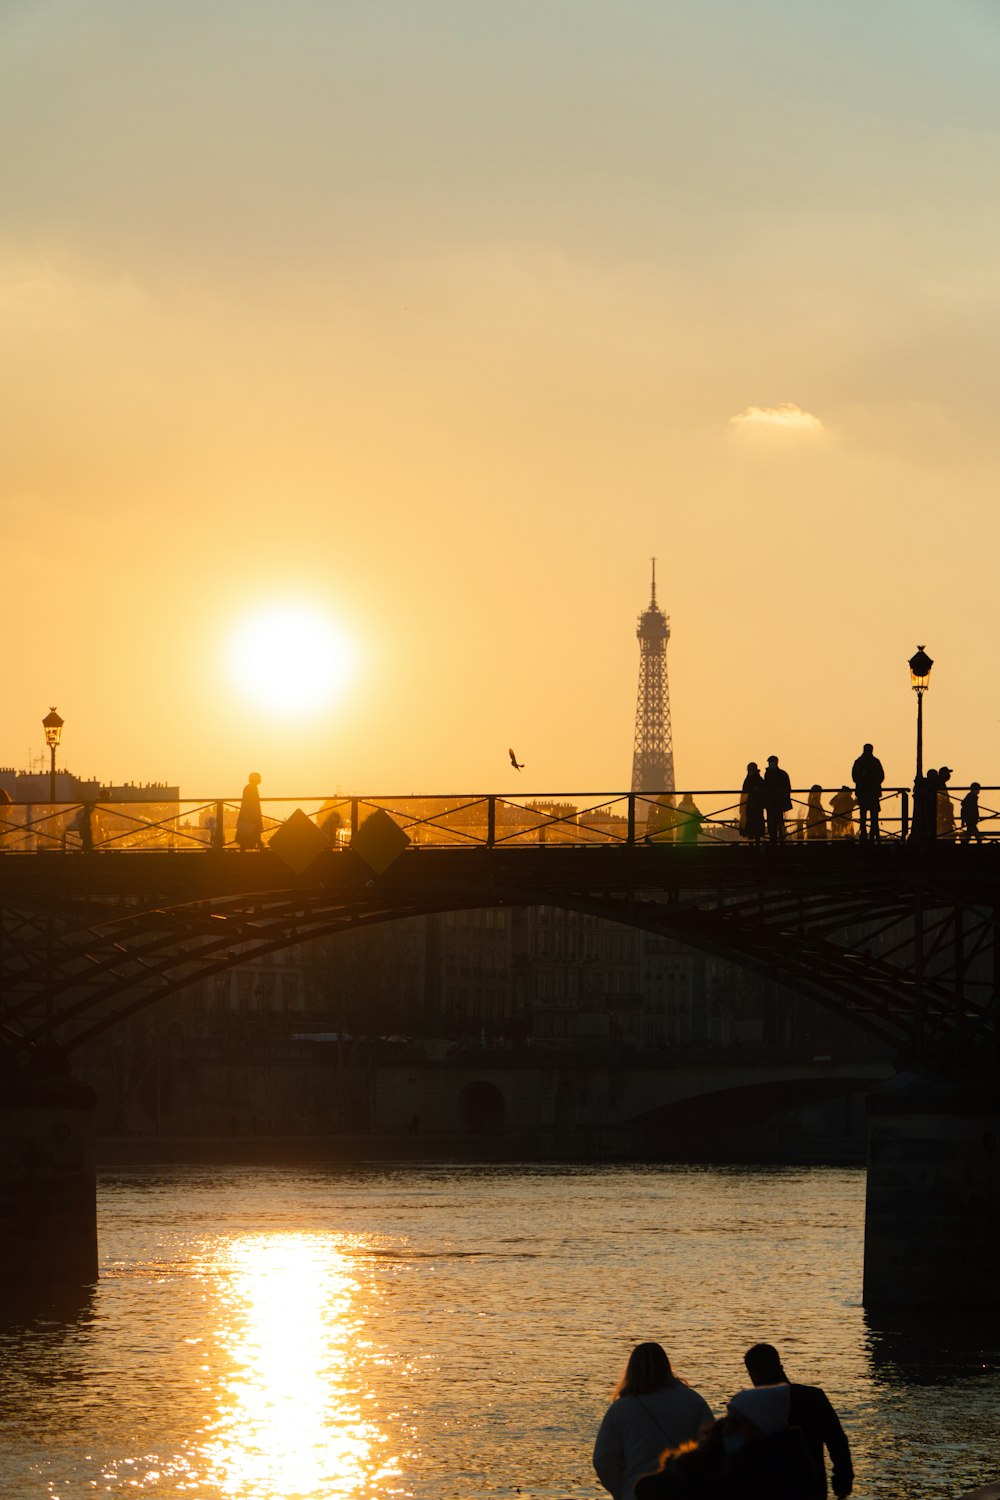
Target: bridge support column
x: 48, y: 1188
x: 932, y: 1214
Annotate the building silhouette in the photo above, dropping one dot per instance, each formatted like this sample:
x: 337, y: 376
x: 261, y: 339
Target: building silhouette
x: 653, y: 755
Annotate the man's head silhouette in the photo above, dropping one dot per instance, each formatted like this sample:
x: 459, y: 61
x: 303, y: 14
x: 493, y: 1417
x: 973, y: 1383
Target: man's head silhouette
x: 763, y: 1364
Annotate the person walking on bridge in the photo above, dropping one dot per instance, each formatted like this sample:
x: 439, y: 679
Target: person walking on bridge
x: 249, y: 822
x: 810, y: 1410
x: 868, y: 777
x: 777, y: 799
x: 944, y: 812
x: 971, y: 815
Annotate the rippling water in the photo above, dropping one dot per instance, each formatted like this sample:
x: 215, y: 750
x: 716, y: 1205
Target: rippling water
x: 450, y: 1332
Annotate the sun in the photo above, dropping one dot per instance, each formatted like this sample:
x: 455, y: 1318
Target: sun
x: 289, y: 659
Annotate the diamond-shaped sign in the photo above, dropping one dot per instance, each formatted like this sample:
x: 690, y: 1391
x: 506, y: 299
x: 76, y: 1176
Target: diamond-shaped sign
x: 298, y: 843
x: 379, y: 841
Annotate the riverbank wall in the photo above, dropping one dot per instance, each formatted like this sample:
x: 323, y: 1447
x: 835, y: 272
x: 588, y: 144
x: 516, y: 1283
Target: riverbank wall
x: 490, y: 1105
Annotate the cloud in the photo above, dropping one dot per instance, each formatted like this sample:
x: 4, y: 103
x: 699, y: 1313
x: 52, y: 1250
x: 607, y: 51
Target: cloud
x: 786, y: 418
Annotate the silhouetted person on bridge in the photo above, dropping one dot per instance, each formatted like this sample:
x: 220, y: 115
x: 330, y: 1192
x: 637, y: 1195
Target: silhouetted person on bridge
x: 944, y: 819
x: 927, y: 805
x: 661, y: 823
x: 249, y: 822
x: 332, y: 825
x: 810, y: 1410
x: 970, y: 815
x: 777, y: 799
x: 689, y: 820
x: 752, y: 805
x: 842, y: 805
x: 81, y: 826
x: 868, y: 776
x: 918, y: 825
x: 815, y: 814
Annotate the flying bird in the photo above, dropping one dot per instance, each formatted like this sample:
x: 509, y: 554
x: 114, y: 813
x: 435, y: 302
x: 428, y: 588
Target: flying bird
x: 517, y: 764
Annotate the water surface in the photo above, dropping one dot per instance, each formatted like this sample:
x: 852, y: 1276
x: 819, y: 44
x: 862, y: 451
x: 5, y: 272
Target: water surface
x: 449, y: 1332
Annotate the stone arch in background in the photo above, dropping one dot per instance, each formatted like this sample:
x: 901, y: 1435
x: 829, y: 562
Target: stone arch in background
x: 484, y: 1110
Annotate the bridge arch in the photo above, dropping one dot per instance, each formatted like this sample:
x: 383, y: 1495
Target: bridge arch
x: 722, y: 1116
x: 483, y: 1107
x: 75, y: 961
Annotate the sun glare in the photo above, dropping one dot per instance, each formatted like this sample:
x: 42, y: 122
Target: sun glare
x: 289, y: 659
x: 288, y: 1417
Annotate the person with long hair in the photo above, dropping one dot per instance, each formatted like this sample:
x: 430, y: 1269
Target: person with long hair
x: 815, y: 814
x: 651, y: 1409
x: 752, y: 805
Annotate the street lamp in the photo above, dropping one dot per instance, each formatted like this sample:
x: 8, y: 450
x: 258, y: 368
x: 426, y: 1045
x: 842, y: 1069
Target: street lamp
x: 53, y: 726
x: 920, y: 677
x: 920, y: 680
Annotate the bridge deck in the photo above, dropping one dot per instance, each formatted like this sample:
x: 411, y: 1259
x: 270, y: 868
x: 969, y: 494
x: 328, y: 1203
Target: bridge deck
x: 513, y: 872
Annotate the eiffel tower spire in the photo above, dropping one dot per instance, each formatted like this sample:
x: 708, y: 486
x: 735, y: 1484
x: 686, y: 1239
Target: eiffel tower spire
x: 653, y: 756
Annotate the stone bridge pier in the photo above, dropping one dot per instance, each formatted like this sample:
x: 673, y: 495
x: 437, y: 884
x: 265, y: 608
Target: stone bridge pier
x: 48, y: 1187
x: 932, y: 1212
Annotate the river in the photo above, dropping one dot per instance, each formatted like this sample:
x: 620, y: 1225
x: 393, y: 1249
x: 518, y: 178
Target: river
x: 449, y: 1332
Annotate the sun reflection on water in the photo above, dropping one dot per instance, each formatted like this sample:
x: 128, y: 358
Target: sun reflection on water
x: 288, y: 1415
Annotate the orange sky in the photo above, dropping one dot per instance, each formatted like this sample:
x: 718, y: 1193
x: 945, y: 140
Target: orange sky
x: 444, y: 318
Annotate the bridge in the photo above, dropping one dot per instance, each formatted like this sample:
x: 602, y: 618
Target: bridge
x: 108, y: 908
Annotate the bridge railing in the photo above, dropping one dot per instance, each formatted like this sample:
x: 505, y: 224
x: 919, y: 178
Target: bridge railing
x: 705, y: 817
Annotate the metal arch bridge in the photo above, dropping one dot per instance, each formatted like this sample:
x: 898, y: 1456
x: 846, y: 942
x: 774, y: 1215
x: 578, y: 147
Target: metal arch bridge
x: 107, y: 908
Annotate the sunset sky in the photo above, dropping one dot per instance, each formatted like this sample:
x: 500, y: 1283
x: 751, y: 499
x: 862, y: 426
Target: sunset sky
x: 439, y: 320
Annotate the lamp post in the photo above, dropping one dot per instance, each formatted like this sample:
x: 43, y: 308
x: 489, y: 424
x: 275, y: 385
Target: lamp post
x: 920, y: 676
x: 920, y: 679
x: 53, y: 726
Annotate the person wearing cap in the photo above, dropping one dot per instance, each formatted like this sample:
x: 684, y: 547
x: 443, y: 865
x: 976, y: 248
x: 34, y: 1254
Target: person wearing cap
x: 810, y: 1410
x: 651, y: 1410
x: 752, y: 1453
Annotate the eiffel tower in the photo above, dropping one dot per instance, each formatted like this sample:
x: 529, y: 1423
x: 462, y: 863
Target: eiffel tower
x: 653, y: 756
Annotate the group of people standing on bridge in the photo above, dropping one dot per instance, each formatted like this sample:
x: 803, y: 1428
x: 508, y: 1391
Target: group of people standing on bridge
x: 659, y: 1439
x: 766, y: 799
